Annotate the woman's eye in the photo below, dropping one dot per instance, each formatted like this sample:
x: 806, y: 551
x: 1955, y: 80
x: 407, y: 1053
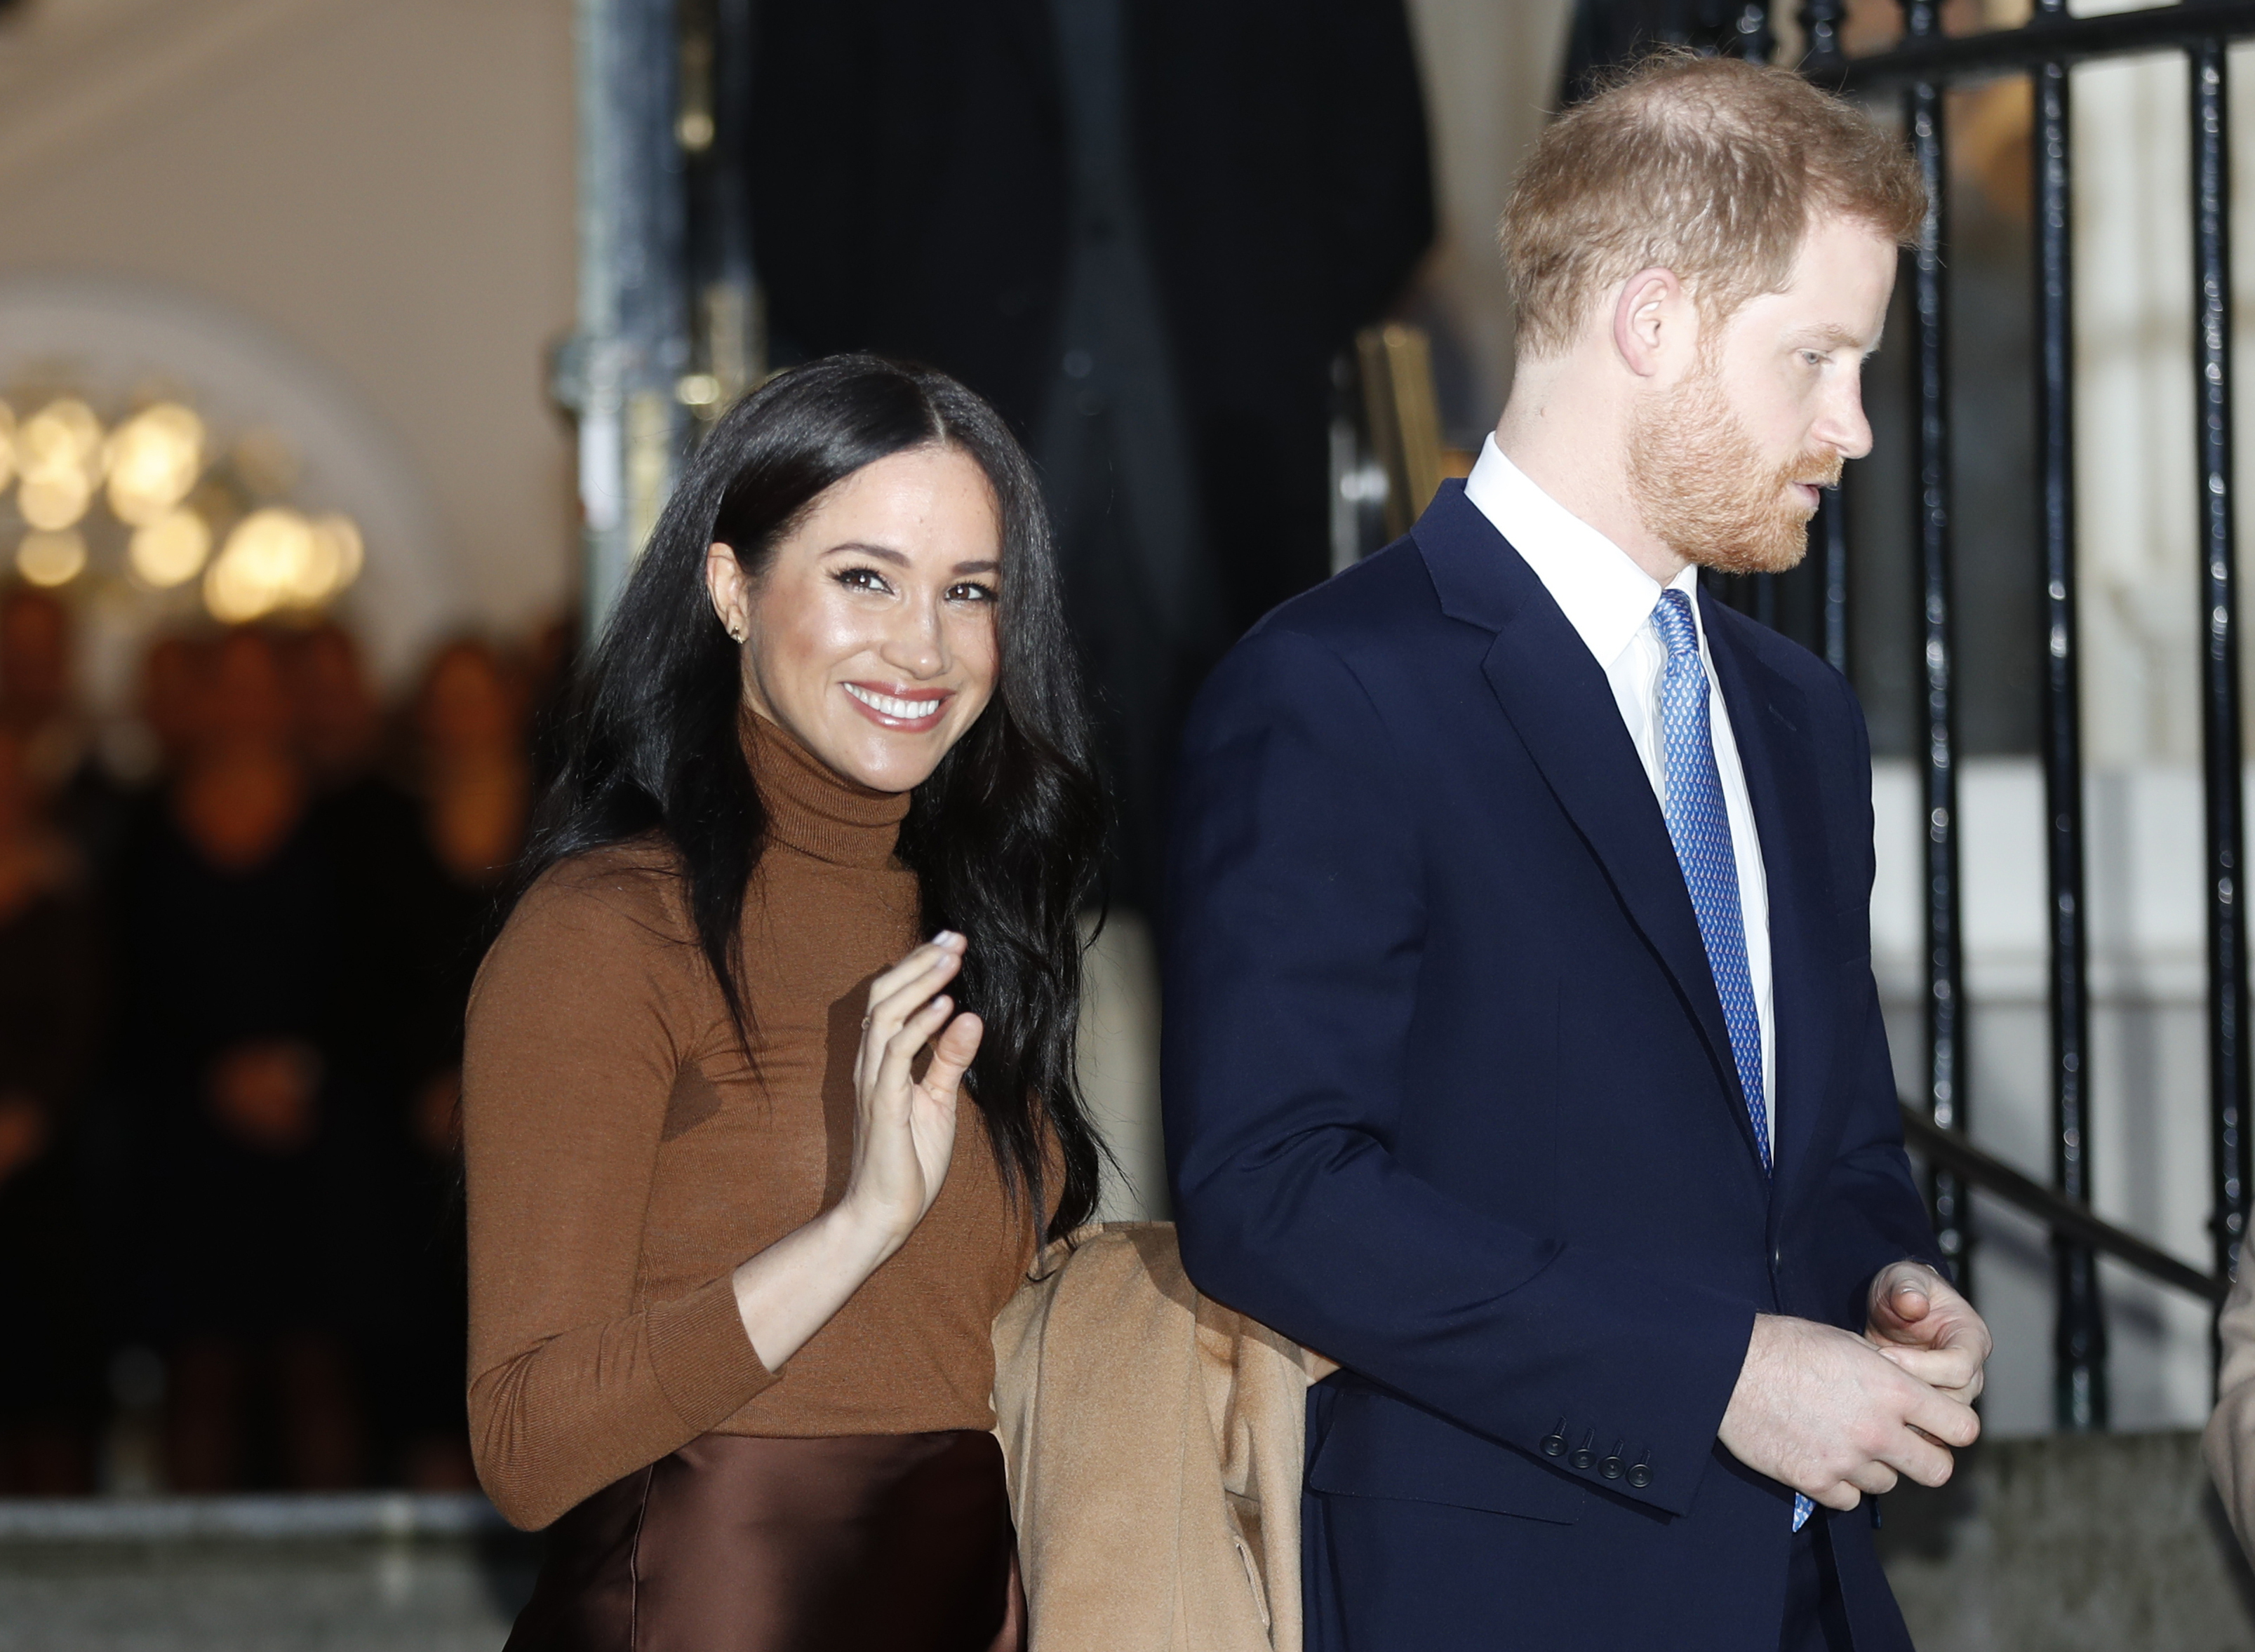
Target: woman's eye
x: 970, y: 591
x: 862, y: 580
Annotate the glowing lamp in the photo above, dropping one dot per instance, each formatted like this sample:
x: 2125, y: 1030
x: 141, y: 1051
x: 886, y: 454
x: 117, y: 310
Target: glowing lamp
x: 171, y: 548
x: 51, y: 558
x: 153, y: 459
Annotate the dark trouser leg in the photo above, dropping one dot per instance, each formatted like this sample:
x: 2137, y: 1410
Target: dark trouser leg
x: 1815, y: 1616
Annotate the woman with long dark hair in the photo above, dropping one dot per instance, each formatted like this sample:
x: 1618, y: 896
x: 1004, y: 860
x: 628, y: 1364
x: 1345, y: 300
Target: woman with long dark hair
x: 735, y: 1245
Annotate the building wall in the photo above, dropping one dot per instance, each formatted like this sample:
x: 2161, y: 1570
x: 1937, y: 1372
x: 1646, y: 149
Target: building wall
x: 1491, y: 77
x: 2149, y: 1117
x: 384, y: 190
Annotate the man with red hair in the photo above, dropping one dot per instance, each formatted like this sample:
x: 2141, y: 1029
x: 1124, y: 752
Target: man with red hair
x: 1522, y: 1051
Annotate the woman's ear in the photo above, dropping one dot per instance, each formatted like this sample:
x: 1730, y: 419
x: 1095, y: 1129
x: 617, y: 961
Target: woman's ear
x: 730, y: 591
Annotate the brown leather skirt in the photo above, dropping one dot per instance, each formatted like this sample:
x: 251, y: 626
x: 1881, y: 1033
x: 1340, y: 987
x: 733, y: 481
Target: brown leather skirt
x: 733, y: 1544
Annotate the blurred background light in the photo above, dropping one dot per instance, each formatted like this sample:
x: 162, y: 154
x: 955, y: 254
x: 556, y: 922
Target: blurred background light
x: 53, y: 497
x: 260, y: 567
x: 59, y: 451
x: 175, y: 488
x: 51, y: 557
x: 171, y: 548
x: 153, y: 460
x: 276, y: 560
x: 64, y: 435
x: 341, y: 536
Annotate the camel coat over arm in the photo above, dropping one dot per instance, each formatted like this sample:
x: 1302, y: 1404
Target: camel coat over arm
x: 2230, y: 1442
x: 1153, y: 1439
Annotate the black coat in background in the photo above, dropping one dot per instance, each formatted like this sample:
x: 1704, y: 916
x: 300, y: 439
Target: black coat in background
x: 1606, y: 35
x: 911, y: 194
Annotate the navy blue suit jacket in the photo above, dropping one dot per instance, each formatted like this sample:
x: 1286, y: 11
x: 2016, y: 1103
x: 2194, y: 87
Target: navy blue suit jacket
x: 1450, y: 1098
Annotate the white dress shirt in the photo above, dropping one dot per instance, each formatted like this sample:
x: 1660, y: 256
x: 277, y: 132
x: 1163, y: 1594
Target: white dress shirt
x: 1608, y: 600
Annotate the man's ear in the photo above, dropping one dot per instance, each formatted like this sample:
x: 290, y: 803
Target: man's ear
x: 1654, y: 321
x: 729, y: 589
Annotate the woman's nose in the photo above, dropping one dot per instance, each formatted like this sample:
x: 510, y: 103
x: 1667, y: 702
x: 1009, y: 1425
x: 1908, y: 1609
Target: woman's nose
x: 916, y: 645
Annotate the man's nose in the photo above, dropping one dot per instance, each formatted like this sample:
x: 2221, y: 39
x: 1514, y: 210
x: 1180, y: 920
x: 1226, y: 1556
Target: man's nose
x: 1842, y: 426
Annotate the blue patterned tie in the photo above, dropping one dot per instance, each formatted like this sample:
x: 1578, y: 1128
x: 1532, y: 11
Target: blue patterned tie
x: 1699, y: 825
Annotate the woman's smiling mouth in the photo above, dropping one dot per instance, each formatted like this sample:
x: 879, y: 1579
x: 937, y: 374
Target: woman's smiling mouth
x: 911, y: 711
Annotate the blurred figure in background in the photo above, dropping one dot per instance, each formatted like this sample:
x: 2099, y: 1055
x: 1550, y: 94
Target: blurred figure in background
x: 474, y: 774
x: 258, y: 1226
x: 172, y: 678
x: 40, y: 705
x: 473, y: 779
x: 237, y: 1146
x: 1144, y: 233
x: 49, y: 1394
x: 339, y: 725
x: 35, y: 687
x: 371, y: 826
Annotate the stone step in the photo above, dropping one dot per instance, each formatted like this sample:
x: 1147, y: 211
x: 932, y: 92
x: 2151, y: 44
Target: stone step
x: 2071, y: 1543
x: 375, y: 1572
x: 2109, y: 1543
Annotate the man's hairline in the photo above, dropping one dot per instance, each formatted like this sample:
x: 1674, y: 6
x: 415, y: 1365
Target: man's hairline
x: 1709, y: 318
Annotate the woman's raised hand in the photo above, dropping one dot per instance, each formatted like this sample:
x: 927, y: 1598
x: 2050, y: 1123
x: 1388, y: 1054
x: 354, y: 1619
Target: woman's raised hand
x: 904, y: 1128
x: 903, y: 1134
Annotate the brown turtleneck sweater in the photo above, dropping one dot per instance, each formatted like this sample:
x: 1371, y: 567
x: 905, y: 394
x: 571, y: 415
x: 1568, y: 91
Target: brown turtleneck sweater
x: 622, y: 1160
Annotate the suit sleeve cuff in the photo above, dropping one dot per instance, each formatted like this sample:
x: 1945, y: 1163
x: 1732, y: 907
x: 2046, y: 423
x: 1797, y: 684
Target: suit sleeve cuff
x: 704, y: 1363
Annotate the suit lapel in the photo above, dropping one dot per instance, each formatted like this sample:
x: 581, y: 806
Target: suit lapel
x: 1558, y: 702
x: 1770, y: 721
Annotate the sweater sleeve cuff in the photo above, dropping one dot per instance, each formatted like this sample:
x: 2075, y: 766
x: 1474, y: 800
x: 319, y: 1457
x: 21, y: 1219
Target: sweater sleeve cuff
x: 704, y: 1362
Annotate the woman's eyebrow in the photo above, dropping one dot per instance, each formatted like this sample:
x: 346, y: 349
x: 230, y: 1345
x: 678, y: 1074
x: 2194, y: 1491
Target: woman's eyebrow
x: 899, y: 559
x: 882, y: 553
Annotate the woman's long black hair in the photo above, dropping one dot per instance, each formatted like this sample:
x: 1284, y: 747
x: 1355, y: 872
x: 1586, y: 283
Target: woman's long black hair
x: 1005, y: 838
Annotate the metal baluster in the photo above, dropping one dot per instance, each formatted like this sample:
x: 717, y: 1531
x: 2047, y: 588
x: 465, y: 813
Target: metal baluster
x: 1831, y: 534
x: 1753, y: 39
x: 2220, y: 724
x: 1822, y: 59
x: 619, y: 371
x: 1946, y: 1094
x: 736, y: 347
x: 2079, y: 1337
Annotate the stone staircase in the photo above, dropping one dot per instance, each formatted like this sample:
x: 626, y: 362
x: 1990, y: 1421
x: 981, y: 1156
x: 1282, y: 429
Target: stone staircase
x: 2097, y: 1543
x: 2108, y: 1543
x: 380, y: 1572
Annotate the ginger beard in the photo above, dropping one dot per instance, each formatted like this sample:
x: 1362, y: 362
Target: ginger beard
x: 1701, y: 486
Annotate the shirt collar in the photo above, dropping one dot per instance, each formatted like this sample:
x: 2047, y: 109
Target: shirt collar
x: 1606, y: 597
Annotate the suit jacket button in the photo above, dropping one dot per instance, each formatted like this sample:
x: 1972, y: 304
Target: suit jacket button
x: 1611, y: 1468
x: 1639, y: 1476
x: 1554, y: 1444
x: 1583, y: 1457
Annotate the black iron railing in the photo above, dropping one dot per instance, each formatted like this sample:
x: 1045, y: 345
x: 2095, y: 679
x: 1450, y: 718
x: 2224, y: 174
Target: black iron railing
x: 1919, y: 69
x: 1948, y: 1150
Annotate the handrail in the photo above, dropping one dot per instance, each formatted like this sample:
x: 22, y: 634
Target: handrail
x: 1951, y: 1151
x: 2001, y: 51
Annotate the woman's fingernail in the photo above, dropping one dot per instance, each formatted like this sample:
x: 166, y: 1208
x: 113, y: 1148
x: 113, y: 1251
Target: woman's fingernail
x: 945, y: 937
